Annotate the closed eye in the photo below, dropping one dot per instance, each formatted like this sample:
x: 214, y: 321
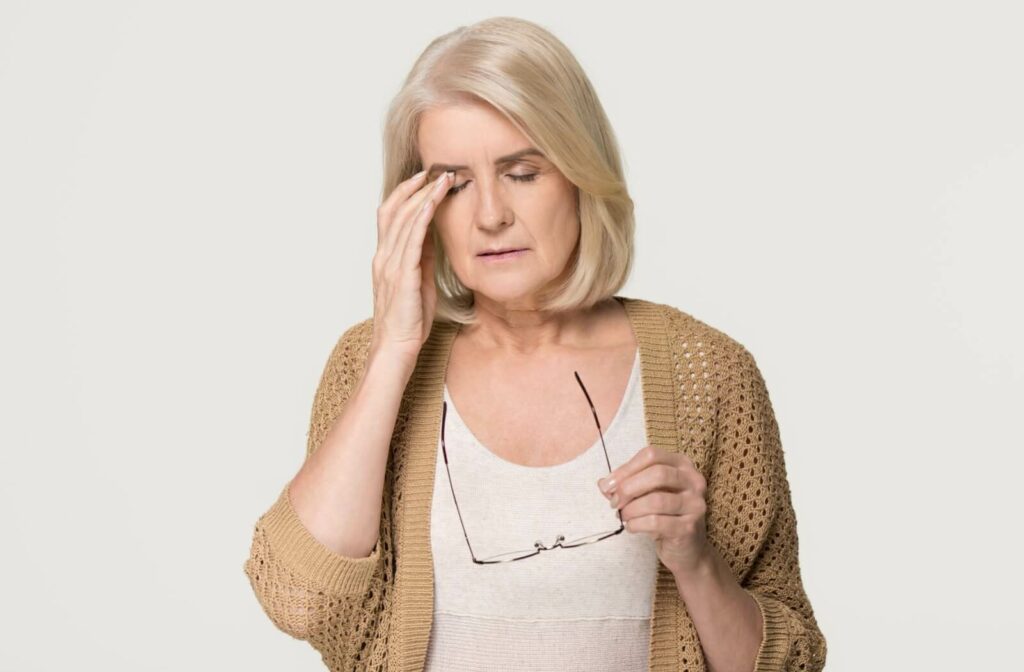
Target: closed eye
x: 518, y: 178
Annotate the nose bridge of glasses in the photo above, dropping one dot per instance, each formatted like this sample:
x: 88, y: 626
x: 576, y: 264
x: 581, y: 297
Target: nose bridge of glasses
x: 540, y: 544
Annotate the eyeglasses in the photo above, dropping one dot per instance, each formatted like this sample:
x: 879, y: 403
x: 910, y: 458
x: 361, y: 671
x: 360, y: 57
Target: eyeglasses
x: 538, y: 546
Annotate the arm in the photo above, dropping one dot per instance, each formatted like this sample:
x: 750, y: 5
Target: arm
x: 750, y: 510
x: 319, y: 550
x: 725, y: 615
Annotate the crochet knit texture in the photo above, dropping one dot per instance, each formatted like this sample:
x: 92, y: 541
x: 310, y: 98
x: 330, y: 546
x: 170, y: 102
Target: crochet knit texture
x: 703, y: 394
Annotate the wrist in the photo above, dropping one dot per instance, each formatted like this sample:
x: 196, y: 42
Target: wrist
x: 702, y: 568
x: 387, y: 358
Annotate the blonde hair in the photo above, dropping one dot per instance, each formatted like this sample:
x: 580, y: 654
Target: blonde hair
x: 532, y: 78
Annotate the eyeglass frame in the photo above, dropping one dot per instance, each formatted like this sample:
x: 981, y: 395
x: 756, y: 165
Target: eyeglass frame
x: 538, y: 545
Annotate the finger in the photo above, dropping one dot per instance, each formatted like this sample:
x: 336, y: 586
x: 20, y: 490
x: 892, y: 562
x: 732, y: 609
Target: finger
x: 428, y: 288
x: 403, y: 191
x: 658, y: 526
x: 418, y: 248
x: 655, y: 477
x: 407, y: 215
x: 407, y: 197
x: 398, y: 195
x: 401, y: 213
x: 642, y: 459
x: 664, y: 503
x: 417, y: 226
x: 425, y: 213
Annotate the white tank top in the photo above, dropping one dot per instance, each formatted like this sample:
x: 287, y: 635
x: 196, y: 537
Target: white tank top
x: 585, y: 608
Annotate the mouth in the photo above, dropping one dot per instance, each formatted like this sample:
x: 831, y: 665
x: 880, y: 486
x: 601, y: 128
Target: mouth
x: 509, y: 253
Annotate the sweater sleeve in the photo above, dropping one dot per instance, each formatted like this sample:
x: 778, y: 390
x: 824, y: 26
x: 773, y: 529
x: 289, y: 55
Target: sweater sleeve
x: 752, y: 473
x: 304, y: 587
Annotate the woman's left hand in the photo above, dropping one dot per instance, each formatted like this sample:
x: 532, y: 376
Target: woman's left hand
x: 662, y: 494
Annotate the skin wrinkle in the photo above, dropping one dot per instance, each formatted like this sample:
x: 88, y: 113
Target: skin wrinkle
x: 493, y: 210
x: 362, y: 613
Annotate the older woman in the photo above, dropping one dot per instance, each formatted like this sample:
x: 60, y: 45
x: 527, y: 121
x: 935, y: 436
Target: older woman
x: 510, y: 466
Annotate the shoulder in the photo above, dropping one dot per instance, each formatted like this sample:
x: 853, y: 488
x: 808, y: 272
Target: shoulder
x: 694, y: 337
x: 707, y: 360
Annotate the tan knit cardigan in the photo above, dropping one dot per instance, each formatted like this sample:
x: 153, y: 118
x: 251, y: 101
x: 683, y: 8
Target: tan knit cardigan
x: 703, y: 394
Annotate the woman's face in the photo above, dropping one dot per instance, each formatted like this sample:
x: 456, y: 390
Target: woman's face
x: 497, y: 203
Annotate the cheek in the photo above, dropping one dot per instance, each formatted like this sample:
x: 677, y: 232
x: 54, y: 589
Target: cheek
x: 549, y: 211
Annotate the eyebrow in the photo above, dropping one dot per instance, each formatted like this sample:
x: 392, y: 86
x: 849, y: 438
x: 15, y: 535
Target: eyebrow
x: 438, y: 168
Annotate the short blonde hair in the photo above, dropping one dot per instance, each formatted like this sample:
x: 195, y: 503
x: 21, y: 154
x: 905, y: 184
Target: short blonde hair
x: 528, y: 75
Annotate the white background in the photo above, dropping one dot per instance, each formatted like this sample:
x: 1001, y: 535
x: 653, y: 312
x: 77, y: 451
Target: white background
x: 188, y: 195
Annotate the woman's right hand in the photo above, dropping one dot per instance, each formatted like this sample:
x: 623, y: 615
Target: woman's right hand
x: 404, y: 296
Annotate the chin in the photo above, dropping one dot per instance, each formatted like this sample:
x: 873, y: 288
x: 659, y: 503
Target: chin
x: 508, y: 292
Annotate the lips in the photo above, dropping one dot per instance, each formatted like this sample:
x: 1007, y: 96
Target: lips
x: 501, y: 251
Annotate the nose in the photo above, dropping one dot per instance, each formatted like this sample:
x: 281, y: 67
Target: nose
x: 493, y: 210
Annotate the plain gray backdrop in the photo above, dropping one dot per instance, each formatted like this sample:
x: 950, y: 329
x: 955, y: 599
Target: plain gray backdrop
x: 188, y: 194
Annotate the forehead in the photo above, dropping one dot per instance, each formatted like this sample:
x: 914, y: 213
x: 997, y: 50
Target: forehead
x: 467, y: 133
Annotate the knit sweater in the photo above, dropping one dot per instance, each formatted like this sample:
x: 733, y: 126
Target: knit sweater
x: 703, y: 395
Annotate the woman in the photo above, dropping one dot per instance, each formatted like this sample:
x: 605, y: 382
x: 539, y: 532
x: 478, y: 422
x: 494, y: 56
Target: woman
x: 509, y: 466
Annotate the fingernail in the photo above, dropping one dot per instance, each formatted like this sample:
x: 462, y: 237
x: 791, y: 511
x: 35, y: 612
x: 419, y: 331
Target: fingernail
x: 614, y: 501
x: 419, y: 174
x: 606, y: 485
